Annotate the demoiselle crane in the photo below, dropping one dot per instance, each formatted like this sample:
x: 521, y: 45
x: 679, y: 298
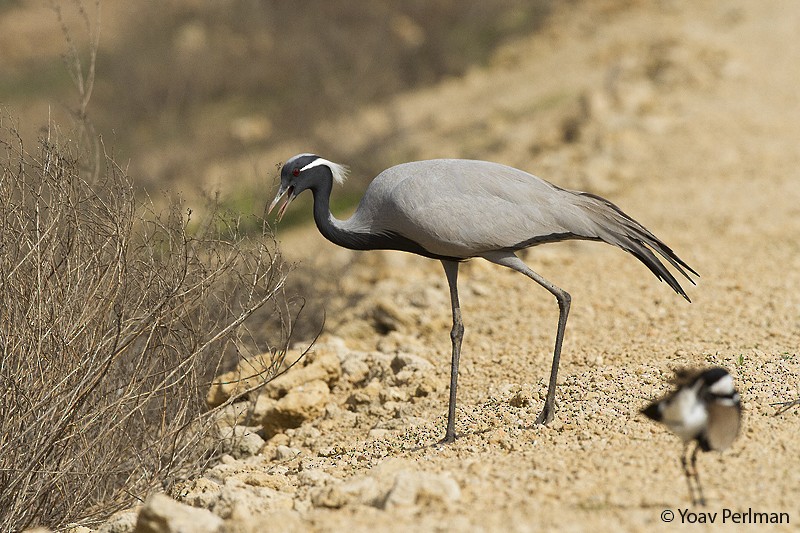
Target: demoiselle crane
x: 704, y: 410
x: 455, y: 209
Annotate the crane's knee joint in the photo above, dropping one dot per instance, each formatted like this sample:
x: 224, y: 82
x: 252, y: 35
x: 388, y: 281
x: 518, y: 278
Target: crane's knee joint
x: 564, y: 299
x: 457, y: 332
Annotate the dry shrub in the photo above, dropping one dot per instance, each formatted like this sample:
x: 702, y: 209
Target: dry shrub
x: 114, y: 320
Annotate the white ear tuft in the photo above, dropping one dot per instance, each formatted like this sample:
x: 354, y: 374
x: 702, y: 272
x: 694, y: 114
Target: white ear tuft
x: 723, y: 386
x: 339, y: 171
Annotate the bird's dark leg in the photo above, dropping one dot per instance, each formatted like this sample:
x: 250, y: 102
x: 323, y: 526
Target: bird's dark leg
x: 685, y: 465
x: 696, y: 494
x: 701, y: 500
x: 510, y: 260
x: 456, y: 335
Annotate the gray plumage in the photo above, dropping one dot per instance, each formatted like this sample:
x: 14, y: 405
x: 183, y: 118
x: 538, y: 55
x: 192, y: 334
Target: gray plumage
x: 455, y: 209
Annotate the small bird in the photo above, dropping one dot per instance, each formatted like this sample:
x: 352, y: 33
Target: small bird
x: 456, y: 209
x: 705, y: 410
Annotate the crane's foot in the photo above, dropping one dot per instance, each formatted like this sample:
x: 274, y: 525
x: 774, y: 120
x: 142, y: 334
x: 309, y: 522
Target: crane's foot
x: 546, y: 416
x: 449, y: 437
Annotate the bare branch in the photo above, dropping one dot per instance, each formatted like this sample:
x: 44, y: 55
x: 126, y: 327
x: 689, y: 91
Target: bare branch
x: 116, y: 320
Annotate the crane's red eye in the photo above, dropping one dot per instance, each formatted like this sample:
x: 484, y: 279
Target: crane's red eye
x: 296, y: 172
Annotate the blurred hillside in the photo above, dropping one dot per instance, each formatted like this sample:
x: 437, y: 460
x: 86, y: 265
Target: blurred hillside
x: 186, y: 88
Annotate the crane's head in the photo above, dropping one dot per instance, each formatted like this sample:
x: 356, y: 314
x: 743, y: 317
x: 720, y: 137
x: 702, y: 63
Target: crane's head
x: 303, y: 172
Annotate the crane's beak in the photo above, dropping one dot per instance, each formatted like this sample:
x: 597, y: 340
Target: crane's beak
x: 282, y: 191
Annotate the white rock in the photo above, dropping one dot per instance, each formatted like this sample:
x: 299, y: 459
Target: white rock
x: 285, y: 453
x: 240, y: 441
x: 421, y: 488
x: 355, y: 370
x: 248, y: 373
x: 315, y: 478
x: 240, y: 500
x: 324, y: 366
x: 161, y: 514
x: 363, y: 490
x: 200, y: 492
x: 300, y: 404
x: 234, y: 414
x: 120, y: 522
x: 407, y: 361
x: 283, y: 520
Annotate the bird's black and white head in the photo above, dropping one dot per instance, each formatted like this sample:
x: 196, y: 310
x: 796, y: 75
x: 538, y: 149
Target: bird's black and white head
x: 705, y: 407
x: 305, y: 171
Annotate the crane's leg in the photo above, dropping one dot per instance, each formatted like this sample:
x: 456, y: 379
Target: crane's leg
x: 508, y: 259
x: 456, y: 335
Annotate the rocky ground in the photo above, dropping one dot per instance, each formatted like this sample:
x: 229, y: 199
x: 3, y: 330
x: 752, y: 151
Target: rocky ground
x: 685, y: 115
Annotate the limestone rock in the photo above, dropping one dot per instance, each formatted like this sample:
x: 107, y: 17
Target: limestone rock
x: 355, y: 370
x: 414, y: 372
x: 315, y: 478
x: 235, y: 414
x: 239, y: 500
x: 285, y: 453
x: 201, y: 492
x: 324, y: 366
x: 298, y: 405
x: 387, y: 316
x: 240, y: 441
x: 162, y: 514
x: 360, y: 490
x: 360, y: 398
x: 263, y: 405
x: 407, y: 361
x: 283, y: 520
x: 521, y: 398
x: 123, y: 521
x: 421, y: 488
x: 387, y: 487
x: 248, y: 373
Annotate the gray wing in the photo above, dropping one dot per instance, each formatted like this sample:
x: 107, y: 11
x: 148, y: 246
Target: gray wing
x: 460, y: 208
x: 464, y: 208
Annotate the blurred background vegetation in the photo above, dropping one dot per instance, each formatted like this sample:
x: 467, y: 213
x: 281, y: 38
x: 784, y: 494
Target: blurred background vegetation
x: 181, y: 87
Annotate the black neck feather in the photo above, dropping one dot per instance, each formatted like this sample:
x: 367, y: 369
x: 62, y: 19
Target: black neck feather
x: 333, y: 230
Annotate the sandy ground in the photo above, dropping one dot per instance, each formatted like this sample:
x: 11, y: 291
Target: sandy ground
x: 685, y: 115
x: 690, y: 122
